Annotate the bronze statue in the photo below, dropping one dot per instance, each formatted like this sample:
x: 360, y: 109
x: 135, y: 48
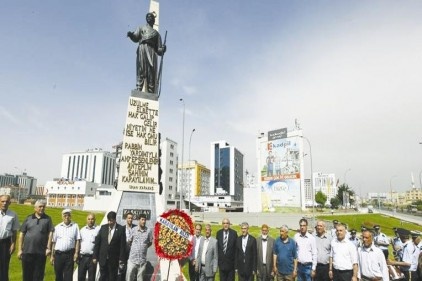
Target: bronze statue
x: 149, y: 48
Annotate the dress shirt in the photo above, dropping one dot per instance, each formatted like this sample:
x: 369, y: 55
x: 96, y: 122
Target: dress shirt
x: 344, y: 254
x: 264, y: 250
x: 381, y: 237
x: 323, y: 244
x: 197, y: 242
x: 9, y: 223
x: 204, y: 250
x: 244, y: 242
x: 65, y: 236
x: 306, y: 249
x: 372, y: 263
x: 409, y: 253
x: 88, y: 235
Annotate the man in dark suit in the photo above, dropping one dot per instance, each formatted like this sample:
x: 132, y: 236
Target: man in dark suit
x: 226, y: 238
x: 245, y: 255
x: 264, y: 246
x: 110, y: 248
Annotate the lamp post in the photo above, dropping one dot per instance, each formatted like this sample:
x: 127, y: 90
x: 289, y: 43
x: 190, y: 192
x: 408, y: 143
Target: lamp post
x: 391, y: 190
x: 312, y: 179
x: 183, y: 148
x: 190, y: 141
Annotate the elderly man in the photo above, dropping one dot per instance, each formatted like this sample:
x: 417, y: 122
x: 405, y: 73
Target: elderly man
x: 9, y: 225
x: 245, y: 254
x: 285, y: 256
x: 226, y: 238
x: 306, y: 252
x: 323, y: 244
x: 65, y: 244
x: 343, y: 257
x: 35, y: 243
x: 372, y: 265
x: 207, y: 258
x: 88, y: 234
x: 264, y: 247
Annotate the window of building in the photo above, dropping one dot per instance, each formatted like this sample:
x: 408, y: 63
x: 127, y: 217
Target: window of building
x: 171, y: 162
x: 172, y: 146
x: 171, y: 154
x: 170, y: 187
x: 170, y: 179
x: 171, y: 171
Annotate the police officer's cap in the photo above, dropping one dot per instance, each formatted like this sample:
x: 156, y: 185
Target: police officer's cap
x: 335, y: 221
x: 376, y: 227
x: 403, y: 232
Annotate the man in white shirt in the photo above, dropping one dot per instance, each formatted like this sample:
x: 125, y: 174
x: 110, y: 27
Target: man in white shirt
x: 343, y: 257
x: 9, y: 225
x: 88, y: 234
x: 306, y: 252
x: 65, y: 244
x: 372, y: 265
x: 193, y: 275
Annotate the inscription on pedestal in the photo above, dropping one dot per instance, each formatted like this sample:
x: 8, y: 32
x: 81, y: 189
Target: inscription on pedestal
x: 139, y: 158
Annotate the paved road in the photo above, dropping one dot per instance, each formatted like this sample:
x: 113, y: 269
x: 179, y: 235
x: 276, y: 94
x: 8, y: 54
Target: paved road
x: 402, y: 216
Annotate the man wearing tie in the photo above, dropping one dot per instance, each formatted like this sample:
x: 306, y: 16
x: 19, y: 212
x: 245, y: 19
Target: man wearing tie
x: 226, y: 238
x: 193, y: 275
x: 264, y: 245
x: 245, y: 255
x: 110, y: 248
x: 207, y: 260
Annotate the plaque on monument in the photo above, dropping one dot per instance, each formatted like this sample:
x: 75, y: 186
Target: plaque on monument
x: 139, y: 158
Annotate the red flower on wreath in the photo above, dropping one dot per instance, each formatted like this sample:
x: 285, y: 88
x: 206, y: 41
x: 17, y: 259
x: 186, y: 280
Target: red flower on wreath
x: 171, y: 242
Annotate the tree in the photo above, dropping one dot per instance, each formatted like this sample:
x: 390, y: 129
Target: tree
x: 320, y: 198
x: 335, y: 202
x: 345, y: 194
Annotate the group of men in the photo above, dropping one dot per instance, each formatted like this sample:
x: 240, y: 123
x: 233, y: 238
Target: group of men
x: 318, y: 255
x: 119, y: 251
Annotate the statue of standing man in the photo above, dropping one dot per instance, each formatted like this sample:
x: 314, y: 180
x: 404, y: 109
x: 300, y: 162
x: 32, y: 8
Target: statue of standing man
x: 150, y: 47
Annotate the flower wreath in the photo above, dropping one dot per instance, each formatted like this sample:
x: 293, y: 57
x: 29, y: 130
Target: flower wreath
x: 171, y: 235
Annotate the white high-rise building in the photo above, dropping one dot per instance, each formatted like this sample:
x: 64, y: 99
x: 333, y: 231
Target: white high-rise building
x: 195, y: 180
x: 226, y: 170
x: 326, y: 183
x: 169, y: 160
x: 92, y: 165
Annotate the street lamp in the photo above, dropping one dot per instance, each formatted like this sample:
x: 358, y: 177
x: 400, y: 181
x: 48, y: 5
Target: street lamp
x: 183, y: 148
x: 190, y: 141
x: 312, y: 179
x: 391, y: 191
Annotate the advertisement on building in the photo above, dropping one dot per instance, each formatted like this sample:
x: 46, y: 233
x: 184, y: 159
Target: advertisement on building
x: 280, y: 172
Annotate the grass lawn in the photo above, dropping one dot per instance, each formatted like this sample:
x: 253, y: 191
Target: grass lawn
x: 15, y: 270
x: 369, y: 220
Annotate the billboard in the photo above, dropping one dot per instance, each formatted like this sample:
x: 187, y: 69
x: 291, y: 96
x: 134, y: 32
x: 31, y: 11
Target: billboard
x: 280, y: 172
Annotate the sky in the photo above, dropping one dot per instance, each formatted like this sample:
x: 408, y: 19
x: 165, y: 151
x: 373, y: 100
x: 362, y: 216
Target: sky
x: 348, y: 71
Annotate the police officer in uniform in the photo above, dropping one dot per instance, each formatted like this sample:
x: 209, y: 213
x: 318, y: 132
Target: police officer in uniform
x: 408, y: 264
